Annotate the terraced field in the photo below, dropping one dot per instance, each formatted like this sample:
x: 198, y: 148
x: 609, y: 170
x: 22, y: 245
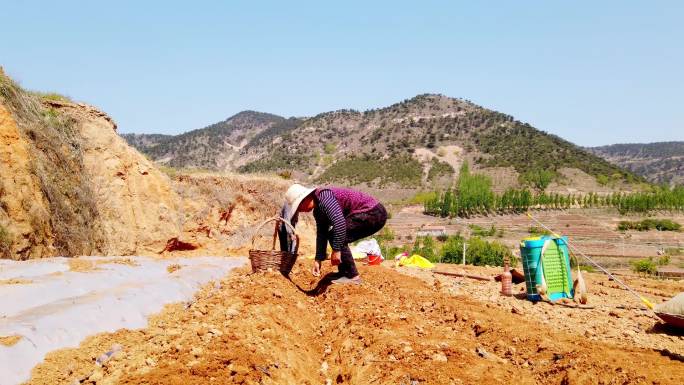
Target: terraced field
x: 593, y: 231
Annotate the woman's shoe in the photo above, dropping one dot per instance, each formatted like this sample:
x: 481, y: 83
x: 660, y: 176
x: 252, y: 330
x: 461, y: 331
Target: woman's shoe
x: 349, y: 281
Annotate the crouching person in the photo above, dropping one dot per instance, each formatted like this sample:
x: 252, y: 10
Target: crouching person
x: 342, y: 216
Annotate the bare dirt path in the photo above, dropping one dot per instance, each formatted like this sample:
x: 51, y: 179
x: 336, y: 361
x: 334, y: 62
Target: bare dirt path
x: 393, y: 329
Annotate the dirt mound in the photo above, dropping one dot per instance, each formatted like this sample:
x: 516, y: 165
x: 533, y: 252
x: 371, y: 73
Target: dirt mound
x: 393, y: 329
x: 124, y: 184
x: 23, y: 209
x: 220, y: 212
x: 77, y: 188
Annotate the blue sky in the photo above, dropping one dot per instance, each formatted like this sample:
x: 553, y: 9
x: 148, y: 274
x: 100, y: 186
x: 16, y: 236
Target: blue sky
x: 593, y: 72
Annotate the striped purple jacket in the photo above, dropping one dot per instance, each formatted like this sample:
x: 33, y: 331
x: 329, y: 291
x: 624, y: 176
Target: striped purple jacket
x: 334, y: 205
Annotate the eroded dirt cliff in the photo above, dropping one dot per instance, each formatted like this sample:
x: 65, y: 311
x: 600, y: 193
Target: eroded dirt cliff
x: 24, y: 210
x: 136, y: 204
x: 72, y: 186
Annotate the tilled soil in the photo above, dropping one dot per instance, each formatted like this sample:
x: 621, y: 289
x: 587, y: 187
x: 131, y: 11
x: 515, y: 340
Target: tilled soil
x: 611, y: 315
x: 392, y: 329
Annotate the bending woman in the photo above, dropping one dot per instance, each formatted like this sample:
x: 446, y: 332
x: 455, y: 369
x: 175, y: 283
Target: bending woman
x: 342, y: 216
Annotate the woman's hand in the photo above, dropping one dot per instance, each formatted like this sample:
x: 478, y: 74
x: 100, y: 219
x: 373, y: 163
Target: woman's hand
x: 316, y: 270
x: 335, y: 258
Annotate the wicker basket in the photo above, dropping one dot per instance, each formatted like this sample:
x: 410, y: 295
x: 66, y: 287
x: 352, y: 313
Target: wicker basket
x: 263, y: 260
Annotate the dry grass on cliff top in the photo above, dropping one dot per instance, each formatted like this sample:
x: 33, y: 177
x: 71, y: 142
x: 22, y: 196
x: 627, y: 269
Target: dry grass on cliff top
x: 58, y: 165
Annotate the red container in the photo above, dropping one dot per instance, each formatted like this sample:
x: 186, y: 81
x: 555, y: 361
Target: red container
x: 374, y: 259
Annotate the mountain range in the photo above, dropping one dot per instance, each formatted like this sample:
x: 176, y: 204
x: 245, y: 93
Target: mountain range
x: 417, y: 142
x: 661, y: 162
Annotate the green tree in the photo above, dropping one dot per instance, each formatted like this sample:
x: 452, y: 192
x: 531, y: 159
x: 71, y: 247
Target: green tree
x: 425, y: 247
x: 540, y: 179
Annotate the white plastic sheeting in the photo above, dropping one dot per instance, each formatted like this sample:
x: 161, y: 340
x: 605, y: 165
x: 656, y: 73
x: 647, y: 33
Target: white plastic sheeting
x: 59, y: 308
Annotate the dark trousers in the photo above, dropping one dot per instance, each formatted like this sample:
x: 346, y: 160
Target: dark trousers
x: 359, y: 226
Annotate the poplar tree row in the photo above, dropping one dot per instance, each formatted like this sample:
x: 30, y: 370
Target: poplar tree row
x: 473, y: 195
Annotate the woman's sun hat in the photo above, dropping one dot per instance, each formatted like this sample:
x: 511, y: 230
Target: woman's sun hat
x: 294, y: 196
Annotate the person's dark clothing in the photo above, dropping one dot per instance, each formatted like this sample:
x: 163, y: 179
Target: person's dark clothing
x: 334, y: 204
x: 359, y: 216
x: 286, y: 236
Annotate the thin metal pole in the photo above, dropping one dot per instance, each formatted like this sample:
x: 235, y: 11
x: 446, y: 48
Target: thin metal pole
x: 464, y: 251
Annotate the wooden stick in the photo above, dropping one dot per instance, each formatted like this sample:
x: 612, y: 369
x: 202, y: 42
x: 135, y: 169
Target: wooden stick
x: 570, y: 305
x: 464, y: 275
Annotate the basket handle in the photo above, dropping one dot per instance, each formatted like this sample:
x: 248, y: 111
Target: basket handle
x: 277, y: 220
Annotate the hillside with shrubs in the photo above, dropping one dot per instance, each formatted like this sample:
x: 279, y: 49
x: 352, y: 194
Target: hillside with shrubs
x: 418, y: 142
x: 212, y: 148
x: 660, y: 162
